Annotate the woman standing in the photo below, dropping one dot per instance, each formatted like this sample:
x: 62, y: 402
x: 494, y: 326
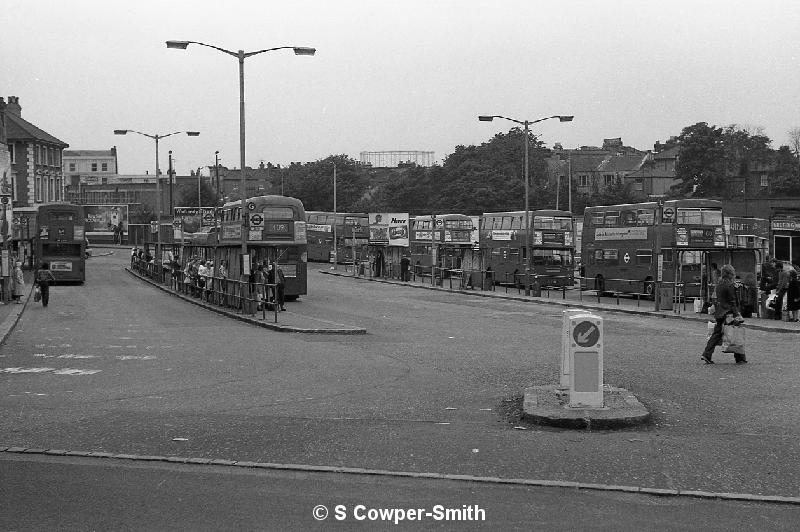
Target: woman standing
x: 19, y: 282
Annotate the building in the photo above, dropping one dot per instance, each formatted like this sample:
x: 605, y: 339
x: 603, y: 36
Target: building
x: 594, y: 169
x: 656, y: 175
x: 82, y: 167
x: 35, y: 159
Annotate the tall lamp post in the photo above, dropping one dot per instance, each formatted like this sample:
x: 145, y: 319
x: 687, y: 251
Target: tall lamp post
x: 216, y: 170
x: 157, y: 137
x: 241, y: 55
x: 526, y: 123
x: 335, y: 243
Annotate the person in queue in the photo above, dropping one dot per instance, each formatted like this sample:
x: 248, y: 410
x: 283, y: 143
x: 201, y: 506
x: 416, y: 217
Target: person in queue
x: 259, y: 278
x: 276, y: 277
x: 793, y: 296
x: 783, y: 285
x: 43, y: 278
x: 725, y: 305
x: 202, y: 277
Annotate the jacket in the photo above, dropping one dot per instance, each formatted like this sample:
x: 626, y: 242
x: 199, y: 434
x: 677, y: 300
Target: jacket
x: 726, y: 299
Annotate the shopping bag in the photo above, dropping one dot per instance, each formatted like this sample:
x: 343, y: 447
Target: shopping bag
x: 37, y: 293
x: 710, y: 329
x: 698, y: 306
x: 733, y: 339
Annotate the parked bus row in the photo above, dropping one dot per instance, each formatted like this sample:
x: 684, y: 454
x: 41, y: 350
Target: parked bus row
x: 625, y: 248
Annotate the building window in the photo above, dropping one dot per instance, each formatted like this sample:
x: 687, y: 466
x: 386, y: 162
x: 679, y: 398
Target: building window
x: 37, y: 191
x: 11, y: 151
x: 609, y: 179
x: 71, y: 167
x: 583, y: 181
x: 764, y: 180
x: 638, y: 183
x: 104, y: 167
x: 94, y: 167
x: 57, y: 155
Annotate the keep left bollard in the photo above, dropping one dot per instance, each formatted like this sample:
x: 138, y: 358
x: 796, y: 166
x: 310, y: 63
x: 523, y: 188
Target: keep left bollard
x: 585, y: 361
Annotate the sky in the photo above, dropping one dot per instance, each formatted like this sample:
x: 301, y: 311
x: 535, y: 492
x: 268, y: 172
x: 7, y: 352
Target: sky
x: 393, y: 75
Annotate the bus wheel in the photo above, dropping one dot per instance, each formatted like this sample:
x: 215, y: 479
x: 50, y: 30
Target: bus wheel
x: 649, y: 288
x: 600, y: 285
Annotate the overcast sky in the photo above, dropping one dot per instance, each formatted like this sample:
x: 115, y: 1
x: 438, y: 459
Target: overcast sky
x: 394, y: 75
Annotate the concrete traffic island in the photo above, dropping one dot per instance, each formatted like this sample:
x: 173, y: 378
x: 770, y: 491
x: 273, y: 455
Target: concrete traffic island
x: 549, y: 405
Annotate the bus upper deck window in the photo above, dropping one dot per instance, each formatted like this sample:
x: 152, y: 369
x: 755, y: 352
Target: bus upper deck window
x: 611, y: 219
x: 711, y: 217
x: 689, y: 216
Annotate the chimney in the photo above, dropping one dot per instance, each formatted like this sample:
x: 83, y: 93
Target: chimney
x: 13, y: 106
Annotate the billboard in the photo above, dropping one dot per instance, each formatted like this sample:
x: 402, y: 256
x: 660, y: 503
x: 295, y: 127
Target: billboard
x: 105, y: 219
x: 388, y: 228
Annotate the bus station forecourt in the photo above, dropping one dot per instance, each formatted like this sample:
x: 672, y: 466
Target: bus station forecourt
x: 295, y: 321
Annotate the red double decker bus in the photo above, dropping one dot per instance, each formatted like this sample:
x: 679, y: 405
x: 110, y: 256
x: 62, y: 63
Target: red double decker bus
x: 61, y: 240
x: 626, y: 248
x: 552, y: 241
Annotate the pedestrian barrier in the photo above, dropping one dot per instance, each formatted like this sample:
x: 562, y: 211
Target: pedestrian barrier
x: 241, y: 296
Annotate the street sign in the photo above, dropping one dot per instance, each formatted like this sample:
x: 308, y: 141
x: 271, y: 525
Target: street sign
x: 586, y: 333
x: 177, y: 223
x: 251, y: 206
x: 5, y: 199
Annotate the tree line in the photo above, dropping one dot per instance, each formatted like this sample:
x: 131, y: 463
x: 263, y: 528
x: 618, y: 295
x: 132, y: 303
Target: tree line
x: 490, y: 177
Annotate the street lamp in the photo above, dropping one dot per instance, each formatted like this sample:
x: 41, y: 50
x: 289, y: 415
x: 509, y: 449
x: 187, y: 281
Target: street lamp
x: 335, y: 243
x: 526, y: 123
x: 241, y: 55
x: 157, y: 137
x: 216, y: 170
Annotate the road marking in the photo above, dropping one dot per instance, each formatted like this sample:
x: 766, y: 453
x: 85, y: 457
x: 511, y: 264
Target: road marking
x: 64, y: 371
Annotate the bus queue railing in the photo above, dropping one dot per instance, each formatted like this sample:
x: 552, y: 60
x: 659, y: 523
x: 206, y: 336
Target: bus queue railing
x: 242, y: 296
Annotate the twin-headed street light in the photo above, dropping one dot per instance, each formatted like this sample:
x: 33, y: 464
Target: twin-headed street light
x: 526, y: 124
x: 241, y: 55
x: 157, y: 137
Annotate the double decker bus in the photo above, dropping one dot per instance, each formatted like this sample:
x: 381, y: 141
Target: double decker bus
x: 440, y: 240
x: 552, y: 238
x: 624, y: 244
x: 61, y: 241
x: 351, y: 230
x: 275, y: 230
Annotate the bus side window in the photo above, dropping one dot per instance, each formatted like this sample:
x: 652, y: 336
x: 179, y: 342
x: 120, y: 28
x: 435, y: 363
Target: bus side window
x: 597, y: 219
x: 667, y: 254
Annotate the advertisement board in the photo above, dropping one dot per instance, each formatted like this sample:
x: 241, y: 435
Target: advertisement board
x: 390, y: 229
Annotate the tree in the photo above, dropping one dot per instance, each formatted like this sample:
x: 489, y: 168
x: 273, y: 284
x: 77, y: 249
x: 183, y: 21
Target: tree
x: 187, y: 195
x: 699, y: 166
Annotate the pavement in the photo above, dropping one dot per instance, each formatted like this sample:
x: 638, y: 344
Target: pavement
x: 11, y: 311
